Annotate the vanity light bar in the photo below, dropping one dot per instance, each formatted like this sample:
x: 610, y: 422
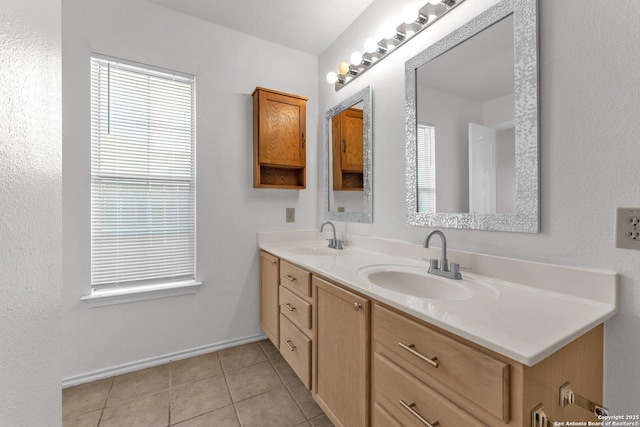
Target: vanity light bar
x: 427, y: 15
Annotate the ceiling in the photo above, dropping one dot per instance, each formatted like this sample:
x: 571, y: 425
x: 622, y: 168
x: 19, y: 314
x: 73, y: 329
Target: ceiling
x: 306, y: 25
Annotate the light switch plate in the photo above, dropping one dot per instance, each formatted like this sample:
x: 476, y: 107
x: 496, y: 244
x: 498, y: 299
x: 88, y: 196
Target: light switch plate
x: 291, y: 215
x: 628, y: 228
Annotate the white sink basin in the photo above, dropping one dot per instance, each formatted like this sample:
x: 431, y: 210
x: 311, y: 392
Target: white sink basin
x: 416, y: 282
x: 313, y: 250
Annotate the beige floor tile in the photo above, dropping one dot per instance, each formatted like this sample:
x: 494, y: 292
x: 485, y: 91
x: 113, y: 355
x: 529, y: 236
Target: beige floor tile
x: 90, y: 419
x: 321, y: 421
x: 275, y: 408
x: 284, y: 370
x: 303, y: 397
x: 304, y: 425
x: 224, y: 417
x: 241, y: 356
x: 149, y: 411
x: 269, y: 349
x: 85, y: 398
x: 195, y: 368
x: 252, y: 380
x: 139, y: 383
x: 197, y: 398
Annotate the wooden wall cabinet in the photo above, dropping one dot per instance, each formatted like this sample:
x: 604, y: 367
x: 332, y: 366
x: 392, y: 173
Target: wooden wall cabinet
x: 341, y: 354
x: 279, y: 139
x: 269, y: 309
x: 347, y: 150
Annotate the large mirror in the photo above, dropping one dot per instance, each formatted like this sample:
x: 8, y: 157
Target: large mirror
x: 347, y: 160
x: 472, y: 125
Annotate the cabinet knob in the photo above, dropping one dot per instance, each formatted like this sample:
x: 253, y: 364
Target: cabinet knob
x: 273, y: 262
x: 357, y: 306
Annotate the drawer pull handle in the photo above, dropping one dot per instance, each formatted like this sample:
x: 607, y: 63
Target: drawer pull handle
x: 289, y: 306
x: 290, y: 278
x: 288, y: 343
x: 433, y: 361
x: 409, y: 407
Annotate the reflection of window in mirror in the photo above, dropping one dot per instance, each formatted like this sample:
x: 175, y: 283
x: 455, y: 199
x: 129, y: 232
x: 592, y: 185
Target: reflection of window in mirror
x: 426, y: 168
x: 347, y: 154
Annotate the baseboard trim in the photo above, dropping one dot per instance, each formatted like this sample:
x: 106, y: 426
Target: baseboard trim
x: 155, y: 361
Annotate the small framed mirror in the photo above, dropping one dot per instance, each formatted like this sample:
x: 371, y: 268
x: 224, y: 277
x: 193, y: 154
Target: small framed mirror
x: 347, y: 160
x: 472, y: 125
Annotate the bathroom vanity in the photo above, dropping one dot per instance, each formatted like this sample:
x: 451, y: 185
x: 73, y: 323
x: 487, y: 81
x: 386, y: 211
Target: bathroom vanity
x: 500, y: 348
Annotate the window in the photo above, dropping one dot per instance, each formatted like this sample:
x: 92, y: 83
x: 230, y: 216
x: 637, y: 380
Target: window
x: 142, y: 175
x: 426, y: 168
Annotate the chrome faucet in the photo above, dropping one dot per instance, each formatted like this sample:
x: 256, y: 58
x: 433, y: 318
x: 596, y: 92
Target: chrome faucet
x: 442, y: 270
x: 334, y: 243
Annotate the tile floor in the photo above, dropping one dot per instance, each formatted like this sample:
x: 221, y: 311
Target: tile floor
x: 248, y: 385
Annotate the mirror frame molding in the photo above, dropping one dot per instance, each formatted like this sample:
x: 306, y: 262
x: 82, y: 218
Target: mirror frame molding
x: 366, y: 216
x: 526, y: 219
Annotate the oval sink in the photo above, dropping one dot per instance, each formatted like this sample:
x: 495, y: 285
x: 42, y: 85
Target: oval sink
x: 313, y: 250
x: 415, y: 281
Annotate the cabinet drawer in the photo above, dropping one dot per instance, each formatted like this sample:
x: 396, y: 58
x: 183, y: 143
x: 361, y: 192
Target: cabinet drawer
x: 478, y: 377
x: 295, y: 347
x: 395, y: 388
x: 296, y: 309
x: 382, y: 418
x: 295, y: 278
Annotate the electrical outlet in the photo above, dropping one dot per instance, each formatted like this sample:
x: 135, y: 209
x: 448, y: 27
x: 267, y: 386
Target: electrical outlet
x: 290, y: 215
x: 628, y: 228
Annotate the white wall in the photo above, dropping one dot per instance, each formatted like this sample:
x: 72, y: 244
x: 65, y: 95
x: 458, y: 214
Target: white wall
x: 30, y: 213
x: 228, y: 66
x: 589, y: 99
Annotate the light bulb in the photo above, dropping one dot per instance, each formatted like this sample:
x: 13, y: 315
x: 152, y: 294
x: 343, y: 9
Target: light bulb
x: 410, y: 14
x: 370, y: 45
x: 343, y: 68
x: 332, y: 77
x: 390, y: 32
x: 356, y: 58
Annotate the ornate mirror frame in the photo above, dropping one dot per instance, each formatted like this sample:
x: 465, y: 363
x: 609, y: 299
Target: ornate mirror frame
x: 526, y: 216
x: 366, y: 216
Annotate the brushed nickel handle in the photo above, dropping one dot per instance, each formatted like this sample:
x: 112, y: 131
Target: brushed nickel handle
x: 357, y: 306
x: 288, y: 343
x: 433, y: 361
x: 290, y: 278
x: 304, y: 140
x: 409, y: 407
x: 344, y: 146
x: 289, y: 306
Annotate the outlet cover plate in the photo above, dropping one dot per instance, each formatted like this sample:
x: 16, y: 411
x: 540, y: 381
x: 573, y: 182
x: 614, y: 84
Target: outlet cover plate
x: 628, y: 228
x: 290, y: 215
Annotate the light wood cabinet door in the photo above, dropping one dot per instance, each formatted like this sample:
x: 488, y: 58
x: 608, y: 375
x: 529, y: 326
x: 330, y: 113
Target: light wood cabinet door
x: 282, y: 129
x: 341, y: 354
x: 269, y: 305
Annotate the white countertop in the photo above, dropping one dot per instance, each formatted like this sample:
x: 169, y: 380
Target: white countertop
x: 520, y: 309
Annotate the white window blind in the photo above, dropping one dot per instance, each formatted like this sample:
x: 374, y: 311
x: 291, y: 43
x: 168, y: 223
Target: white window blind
x: 426, y: 168
x: 142, y: 174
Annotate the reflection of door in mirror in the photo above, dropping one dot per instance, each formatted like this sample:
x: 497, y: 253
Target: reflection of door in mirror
x: 347, y: 154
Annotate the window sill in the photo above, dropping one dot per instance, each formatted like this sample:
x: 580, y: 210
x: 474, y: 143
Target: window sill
x: 113, y: 296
